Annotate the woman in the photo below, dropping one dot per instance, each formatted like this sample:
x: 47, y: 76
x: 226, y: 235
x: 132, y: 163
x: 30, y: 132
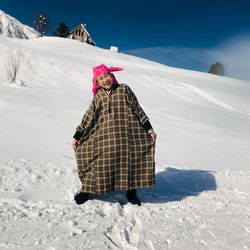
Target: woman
x: 115, y: 142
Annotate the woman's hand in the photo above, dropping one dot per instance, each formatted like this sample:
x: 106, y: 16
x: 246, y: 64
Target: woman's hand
x: 74, y: 144
x: 153, y: 136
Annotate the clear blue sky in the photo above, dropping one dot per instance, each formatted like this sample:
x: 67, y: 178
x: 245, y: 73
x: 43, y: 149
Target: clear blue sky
x: 137, y: 24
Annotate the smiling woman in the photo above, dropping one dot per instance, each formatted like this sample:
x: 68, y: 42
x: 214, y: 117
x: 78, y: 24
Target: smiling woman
x: 115, y: 142
x: 105, y: 81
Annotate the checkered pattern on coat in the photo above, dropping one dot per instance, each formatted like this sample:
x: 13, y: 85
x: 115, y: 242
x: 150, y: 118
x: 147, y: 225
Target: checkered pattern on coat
x: 115, y: 152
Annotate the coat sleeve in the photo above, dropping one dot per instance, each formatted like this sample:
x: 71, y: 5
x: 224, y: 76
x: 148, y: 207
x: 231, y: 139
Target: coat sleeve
x: 135, y: 106
x: 87, y: 121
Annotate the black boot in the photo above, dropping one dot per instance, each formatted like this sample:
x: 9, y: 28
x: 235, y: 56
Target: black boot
x: 81, y: 197
x: 132, y: 198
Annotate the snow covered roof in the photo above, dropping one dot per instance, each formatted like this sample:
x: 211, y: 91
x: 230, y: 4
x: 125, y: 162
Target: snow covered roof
x: 83, y: 26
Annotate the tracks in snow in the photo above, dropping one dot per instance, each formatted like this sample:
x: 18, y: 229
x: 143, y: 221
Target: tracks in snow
x: 218, y: 219
x: 186, y: 92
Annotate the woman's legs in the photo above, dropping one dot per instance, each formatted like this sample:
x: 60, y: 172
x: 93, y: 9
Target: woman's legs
x: 81, y: 197
x: 132, y: 198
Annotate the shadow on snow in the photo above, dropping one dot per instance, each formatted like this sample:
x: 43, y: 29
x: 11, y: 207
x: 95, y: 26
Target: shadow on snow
x: 176, y: 184
x: 171, y: 185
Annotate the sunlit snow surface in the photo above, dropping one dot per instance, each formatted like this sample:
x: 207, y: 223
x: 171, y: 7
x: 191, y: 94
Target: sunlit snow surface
x: 201, y: 200
x: 10, y: 27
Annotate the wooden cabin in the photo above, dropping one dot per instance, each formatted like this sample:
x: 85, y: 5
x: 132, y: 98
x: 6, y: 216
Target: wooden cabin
x: 81, y: 34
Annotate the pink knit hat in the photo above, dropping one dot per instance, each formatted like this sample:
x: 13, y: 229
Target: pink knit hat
x: 102, y: 70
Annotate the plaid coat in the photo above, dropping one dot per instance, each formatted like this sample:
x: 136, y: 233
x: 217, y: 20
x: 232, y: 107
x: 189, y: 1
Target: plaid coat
x: 115, y: 152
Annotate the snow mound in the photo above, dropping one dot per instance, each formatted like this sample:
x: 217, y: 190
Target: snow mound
x: 189, y: 209
x: 11, y: 27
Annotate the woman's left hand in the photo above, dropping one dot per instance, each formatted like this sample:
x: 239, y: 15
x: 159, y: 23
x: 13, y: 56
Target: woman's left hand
x: 74, y: 144
x: 153, y: 136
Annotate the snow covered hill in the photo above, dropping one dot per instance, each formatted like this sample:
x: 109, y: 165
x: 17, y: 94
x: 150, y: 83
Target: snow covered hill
x: 10, y: 27
x: 194, y: 113
x: 201, y: 200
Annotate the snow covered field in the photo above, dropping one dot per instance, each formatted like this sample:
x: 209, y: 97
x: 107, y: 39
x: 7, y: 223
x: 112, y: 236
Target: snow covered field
x: 201, y: 200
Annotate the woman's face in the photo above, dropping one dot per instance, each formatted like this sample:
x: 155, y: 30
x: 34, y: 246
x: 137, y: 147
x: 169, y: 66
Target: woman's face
x: 105, y: 81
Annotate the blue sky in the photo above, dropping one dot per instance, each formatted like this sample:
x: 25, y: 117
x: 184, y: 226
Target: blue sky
x: 175, y: 32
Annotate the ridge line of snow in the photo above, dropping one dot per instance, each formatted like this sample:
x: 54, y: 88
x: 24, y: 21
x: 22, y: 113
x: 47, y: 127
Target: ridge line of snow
x: 195, y: 90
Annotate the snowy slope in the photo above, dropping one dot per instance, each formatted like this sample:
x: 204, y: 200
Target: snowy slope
x: 10, y: 27
x: 202, y: 155
x: 194, y: 113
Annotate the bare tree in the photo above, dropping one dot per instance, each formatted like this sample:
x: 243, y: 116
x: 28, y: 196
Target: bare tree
x: 41, y: 23
x: 13, y: 63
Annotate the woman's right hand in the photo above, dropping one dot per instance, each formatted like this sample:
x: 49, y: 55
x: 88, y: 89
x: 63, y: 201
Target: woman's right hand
x: 74, y: 144
x: 153, y: 136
